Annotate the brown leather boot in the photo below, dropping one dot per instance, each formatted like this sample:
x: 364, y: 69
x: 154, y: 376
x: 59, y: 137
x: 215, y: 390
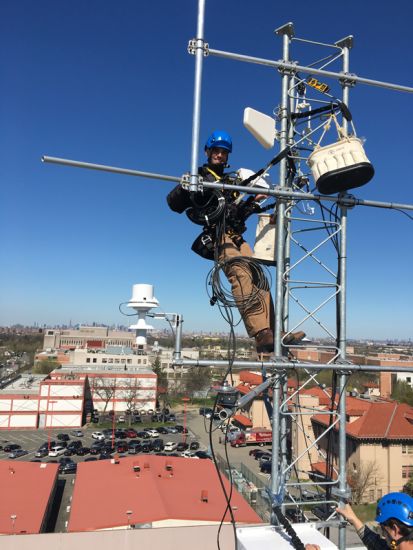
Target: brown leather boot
x: 264, y: 341
x: 291, y: 338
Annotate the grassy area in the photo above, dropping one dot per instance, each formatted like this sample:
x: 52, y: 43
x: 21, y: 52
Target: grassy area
x: 366, y: 512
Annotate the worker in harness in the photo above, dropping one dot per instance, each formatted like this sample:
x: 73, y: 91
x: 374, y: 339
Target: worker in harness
x: 394, y: 514
x: 223, y: 216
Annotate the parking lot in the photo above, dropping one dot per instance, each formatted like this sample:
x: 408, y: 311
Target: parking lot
x: 31, y: 440
x: 197, y: 425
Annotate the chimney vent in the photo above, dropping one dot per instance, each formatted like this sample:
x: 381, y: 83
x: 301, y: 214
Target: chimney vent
x: 204, y: 495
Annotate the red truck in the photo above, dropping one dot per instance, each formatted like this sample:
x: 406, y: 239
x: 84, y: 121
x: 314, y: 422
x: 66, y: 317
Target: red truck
x: 255, y: 436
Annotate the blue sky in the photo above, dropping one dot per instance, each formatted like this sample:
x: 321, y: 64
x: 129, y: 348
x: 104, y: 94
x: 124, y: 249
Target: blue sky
x: 112, y: 83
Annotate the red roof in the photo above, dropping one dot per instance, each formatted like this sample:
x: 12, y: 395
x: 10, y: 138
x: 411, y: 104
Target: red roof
x: 324, y: 395
x: 105, y: 491
x: 250, y: 378
x: 370, y: 385
x: 378, y: 420
x: 26, y: 488
x: 321, y: 468
x: 244, y: 420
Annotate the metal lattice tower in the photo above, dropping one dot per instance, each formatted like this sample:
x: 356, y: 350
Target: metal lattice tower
x: 307, y: 279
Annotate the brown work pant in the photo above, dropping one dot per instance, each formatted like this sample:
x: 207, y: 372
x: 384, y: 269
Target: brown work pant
x: 258, y: 314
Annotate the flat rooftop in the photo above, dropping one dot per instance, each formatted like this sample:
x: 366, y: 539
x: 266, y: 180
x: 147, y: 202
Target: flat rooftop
x: 27, y: 384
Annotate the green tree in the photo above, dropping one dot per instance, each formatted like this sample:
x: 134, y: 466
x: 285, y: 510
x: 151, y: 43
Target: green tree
x: 197, y: 379
x: 162, y: 380
x: 408, y: 488
x: 402, y: 392
x: 46, y: 366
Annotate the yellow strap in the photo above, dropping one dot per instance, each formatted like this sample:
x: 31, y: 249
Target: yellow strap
x: 213, y: 173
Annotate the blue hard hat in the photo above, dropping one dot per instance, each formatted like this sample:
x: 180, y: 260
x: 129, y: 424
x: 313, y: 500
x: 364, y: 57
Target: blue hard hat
x: 219, y: 138
x: 395, y: 505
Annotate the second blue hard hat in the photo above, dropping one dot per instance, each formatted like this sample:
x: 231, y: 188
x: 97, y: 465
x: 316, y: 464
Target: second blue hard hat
x: 395, y: 505
x: 219, y: 138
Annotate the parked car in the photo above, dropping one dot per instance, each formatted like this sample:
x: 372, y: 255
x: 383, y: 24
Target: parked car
x: 104, y: 456
x: 194, y: 445
x: 63, y: 437
x: 158, y: 445
x: 265, y: 467
x: 181, y: 429
x: 146, y: 446
x: 75, y: 444
x: 172, y: 418
x: 182, y: 447
x: 143, y: 435
x: 76, y: 433
x: 121, y: 419
x: 265, y: 458
x: 172, y: 430
x: 17, y: 453
x: 90, y: 459
x: 69, y: 467
x: 10, y: 447
x: 134, y: 447
x: 41, y: 453
x: 82, y: 451
x: 131, y: 433
x: 47, y: 444
x: 162, y: 430
x: 137, y: 419
x: 189, y: 454
x: 170, y: 446
x: 152, y: 433
x: 202, y: 454
x: 122, y: 447
x: 259, y: 454
x: 57, y: 450
x: 98, y: 435
x: 121, y: 434
x: 96, y: 447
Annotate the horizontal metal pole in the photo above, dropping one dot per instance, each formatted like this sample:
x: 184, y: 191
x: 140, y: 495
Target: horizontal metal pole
x: 292, y: 365
x: 245, y: 399
x: 113, y: 169
x: 310, y: 70
x: 349, y: 200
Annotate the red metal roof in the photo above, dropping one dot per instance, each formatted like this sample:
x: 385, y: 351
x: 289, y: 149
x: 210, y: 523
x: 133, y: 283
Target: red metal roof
x: 26, y: 488
x: 378, y: 420
x: 104, y: 492
x: 244, y: 420
x: 321, y: 468
x: 250, y: 378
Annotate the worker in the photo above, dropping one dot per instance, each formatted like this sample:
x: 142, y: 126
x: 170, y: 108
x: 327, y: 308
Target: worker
x: 395, y: 516
x: 227, y: 246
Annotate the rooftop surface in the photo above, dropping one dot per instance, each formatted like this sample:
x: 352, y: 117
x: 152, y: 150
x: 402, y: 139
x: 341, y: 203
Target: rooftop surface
x: 166, y: 489
x: 26, y: 488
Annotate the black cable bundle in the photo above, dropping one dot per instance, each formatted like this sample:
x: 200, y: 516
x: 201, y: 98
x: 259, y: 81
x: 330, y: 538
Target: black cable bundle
x: 295, y: 541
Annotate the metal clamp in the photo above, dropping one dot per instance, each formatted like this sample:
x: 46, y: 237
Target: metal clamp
x: 290, y: 70
x: 347, y: 80
x: 193, y: 46
x: 347, y: 200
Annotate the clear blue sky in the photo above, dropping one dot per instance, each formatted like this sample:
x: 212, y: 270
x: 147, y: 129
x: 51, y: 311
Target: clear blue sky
x: 112, y: 83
